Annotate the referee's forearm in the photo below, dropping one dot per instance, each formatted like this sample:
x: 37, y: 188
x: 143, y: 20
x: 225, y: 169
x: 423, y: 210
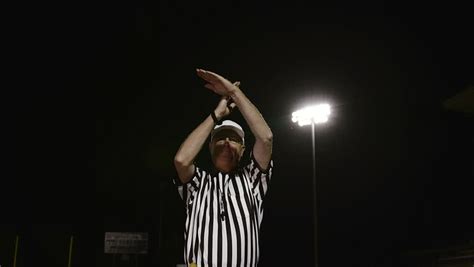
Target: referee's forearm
x: 253, y: 117
x: 194, y: 142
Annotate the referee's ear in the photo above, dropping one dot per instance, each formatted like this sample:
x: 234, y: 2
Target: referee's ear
x: 211, y: 149
x: 242, y: 152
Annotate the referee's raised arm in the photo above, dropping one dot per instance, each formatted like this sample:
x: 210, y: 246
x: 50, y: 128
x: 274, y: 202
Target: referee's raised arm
x: 262, y: 150
x: 189, y: 149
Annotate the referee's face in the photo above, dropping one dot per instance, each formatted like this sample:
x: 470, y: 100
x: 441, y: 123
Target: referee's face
x: 226, y: 150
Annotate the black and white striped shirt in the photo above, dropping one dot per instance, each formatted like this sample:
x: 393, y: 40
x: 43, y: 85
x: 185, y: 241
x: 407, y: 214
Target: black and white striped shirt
x: 224, y: 213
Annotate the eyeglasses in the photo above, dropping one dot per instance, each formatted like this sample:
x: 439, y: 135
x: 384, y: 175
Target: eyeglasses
x: 233, y: 139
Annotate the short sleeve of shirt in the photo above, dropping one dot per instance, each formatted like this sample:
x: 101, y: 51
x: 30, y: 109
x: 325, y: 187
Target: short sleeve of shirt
x: 259, y: 178
x: 186, y: 190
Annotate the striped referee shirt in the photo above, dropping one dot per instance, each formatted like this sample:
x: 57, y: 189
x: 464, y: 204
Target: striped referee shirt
x: 223, y: 215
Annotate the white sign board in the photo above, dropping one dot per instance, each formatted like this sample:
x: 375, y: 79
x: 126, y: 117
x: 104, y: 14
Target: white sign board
x: 126, y: 243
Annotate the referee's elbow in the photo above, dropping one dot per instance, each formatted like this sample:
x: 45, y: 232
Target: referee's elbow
x: 180, y: 161
x: 268, y: 139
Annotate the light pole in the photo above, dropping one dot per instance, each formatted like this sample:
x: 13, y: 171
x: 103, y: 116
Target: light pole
x: 313, y: 115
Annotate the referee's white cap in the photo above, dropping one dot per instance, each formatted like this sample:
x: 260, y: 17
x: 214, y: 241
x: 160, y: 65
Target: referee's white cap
x: 231, y: 125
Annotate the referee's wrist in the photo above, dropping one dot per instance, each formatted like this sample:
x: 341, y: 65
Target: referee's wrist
x: 216, y: 117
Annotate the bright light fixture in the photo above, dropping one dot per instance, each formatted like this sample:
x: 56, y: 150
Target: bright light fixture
x: 312, y: 114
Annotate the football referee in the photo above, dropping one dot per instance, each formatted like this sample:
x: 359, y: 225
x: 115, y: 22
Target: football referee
x: 224, y: 205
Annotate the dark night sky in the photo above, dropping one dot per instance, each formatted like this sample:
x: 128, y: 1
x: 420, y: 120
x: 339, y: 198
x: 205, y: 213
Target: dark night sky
x: 107, y: 92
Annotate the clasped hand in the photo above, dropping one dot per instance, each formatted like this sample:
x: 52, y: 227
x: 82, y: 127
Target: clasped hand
x: 222, y: 87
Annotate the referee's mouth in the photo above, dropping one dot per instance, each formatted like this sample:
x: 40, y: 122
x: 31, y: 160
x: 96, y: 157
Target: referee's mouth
x: 225, y: 158
x: 226, y: 153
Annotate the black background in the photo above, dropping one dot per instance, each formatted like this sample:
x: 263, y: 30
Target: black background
x: 104, y: 93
